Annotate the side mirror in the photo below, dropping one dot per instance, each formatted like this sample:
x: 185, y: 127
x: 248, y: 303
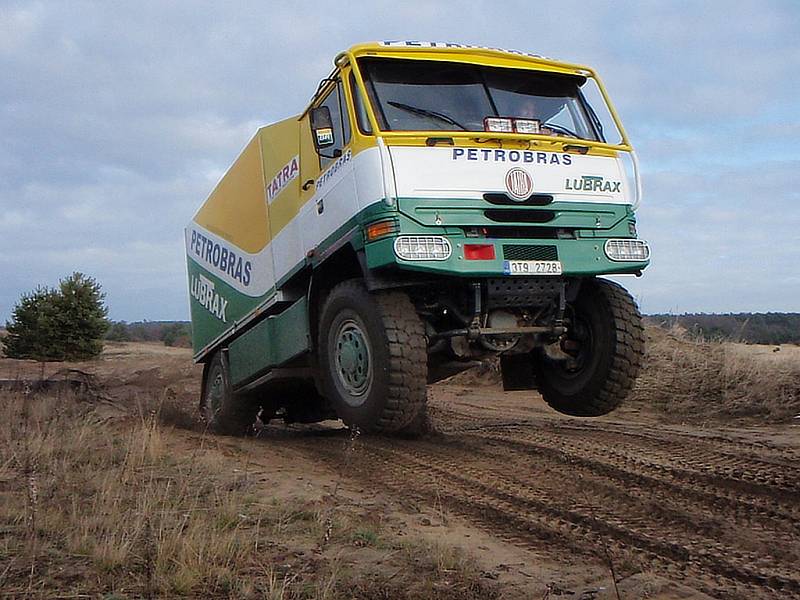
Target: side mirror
x: 322, y: 127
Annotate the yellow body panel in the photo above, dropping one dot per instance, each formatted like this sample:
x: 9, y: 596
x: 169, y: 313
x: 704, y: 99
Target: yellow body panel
x: 239, y: 209
x: 239, y: 199
x: 280, y: 144
x: 474, y: 55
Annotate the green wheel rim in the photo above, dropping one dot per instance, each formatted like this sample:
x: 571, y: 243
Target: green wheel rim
x: 353, y: 361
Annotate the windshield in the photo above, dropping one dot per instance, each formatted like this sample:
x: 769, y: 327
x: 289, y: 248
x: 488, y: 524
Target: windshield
x: 415, y: 95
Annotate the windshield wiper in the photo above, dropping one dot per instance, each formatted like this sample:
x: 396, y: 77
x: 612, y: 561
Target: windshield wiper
x: 561, y: 129
x: 426, y: 113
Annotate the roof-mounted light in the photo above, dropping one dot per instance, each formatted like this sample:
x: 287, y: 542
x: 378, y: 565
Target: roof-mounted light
x: 498, y: 124
x: 527, y: 126
x: 510, y: 125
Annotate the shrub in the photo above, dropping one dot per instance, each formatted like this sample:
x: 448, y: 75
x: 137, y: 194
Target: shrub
x: 118, y: 332
x: 65, y: 323
x: 176, y: 334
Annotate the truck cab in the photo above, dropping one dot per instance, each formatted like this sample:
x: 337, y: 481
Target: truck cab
x: 433, y: 204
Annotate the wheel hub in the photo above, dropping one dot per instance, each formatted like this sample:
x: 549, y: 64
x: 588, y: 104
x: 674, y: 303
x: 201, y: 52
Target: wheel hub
x: 353, y: 365
x: 578, y: 346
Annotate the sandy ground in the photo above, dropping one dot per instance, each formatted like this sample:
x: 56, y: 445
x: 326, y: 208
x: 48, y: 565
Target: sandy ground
x: 783, y: 352
x: 549, y: 505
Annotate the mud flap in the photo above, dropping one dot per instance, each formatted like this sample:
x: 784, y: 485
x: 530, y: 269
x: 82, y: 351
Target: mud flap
x: 517, y: 372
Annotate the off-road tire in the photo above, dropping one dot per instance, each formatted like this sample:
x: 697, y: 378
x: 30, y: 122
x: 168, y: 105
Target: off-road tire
x: 224, y: 411
x: 616, y: 356
x: 387, y: 324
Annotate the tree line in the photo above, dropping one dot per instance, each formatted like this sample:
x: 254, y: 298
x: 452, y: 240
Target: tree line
x: 172, y: 333
x: 70, y: 322
x: 752, y: 328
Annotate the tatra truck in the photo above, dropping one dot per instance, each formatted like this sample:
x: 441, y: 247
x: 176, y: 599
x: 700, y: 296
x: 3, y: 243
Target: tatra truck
x: 434, y: 204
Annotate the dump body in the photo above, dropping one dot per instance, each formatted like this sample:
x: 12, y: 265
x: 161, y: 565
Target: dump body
x: 409, y: 197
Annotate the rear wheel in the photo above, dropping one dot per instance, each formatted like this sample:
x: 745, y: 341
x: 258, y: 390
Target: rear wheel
x: 225, y: 412
x: 601, y: 356
x: 372, y: 355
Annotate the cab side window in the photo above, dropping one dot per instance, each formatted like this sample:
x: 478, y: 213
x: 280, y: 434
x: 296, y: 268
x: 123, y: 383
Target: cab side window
x: 361, y: 111
x: 335, y: 101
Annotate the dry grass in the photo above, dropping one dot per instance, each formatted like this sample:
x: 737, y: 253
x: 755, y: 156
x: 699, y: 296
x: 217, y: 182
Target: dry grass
x: 689, y: 376
x: 99, y: 505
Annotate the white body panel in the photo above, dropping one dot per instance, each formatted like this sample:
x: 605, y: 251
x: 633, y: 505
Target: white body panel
x: 256, y: 276
x: 348, y: 186
x: 447, y: 172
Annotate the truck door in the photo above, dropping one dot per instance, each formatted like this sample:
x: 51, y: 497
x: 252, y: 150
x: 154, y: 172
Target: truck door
x: 328, y: 192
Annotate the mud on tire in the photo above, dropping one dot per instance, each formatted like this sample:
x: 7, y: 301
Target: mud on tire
x: 372, y: 356
x: 225, y: 413
x: 608, y: 326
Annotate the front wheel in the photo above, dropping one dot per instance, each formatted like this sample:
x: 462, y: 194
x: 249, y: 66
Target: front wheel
x: 601, y: 356
x: 372, y: 354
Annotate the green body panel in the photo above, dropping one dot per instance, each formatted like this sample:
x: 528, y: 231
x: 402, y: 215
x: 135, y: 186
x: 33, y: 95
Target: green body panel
x: 270, y: 343
x: 581, y: 256
x: 465, y: 212
x: 209, y: 324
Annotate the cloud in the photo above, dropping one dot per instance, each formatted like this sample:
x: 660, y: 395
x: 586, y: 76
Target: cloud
x: 118, y: 118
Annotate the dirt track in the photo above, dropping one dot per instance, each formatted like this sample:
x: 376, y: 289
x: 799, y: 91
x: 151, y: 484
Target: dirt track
x: 716, y: 509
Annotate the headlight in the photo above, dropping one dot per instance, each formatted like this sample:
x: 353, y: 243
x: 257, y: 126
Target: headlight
x: 422, y: 247
x: 627, y: 250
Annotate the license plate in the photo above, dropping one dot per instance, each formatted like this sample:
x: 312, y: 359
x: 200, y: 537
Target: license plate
x: 532, y: 267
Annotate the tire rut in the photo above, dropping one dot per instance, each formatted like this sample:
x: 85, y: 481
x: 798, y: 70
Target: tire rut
x: 525, y: 516
x: 692, y: 511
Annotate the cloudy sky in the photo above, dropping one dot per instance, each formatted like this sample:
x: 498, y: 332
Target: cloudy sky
x: 117, y: 119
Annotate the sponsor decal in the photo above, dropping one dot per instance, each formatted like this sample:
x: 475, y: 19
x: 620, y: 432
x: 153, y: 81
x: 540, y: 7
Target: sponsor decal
x: 334, y: 169
x: 511, y: 156
x: 202, y: 290
x: 418, y: 44
x: 289, y: 172
x: 217, y: 256
x: 519, y: 184
x: 592, y: 183
x: 324, y: 137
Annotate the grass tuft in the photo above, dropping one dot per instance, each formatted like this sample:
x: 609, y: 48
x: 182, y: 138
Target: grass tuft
x: 686, y: 376
x: 106, y: 507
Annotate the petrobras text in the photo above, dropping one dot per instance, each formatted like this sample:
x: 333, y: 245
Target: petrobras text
x: 511, y: 156
x: 323, y: 179
x: 418, y: 44
x: 214, y: 254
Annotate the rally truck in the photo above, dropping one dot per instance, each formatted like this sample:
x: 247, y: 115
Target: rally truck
x: 434, y: 204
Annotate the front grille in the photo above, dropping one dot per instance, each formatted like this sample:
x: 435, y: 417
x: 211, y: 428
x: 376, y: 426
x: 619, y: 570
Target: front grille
x: 529, y: 252
x: 524, y: 232
x: 520, y: 215
x: 533, y: 200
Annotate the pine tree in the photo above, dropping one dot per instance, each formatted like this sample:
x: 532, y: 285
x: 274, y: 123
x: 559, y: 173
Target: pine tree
x: 66, y: 323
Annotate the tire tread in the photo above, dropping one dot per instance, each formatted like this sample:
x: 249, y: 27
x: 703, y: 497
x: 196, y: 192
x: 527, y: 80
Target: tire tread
x: 626, y: 360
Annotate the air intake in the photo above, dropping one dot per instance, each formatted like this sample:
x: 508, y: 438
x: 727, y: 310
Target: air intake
x: 509, y: 215
x: 529, y: 252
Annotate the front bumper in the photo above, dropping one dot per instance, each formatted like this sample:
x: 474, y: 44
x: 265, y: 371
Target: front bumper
x: 578, y: 257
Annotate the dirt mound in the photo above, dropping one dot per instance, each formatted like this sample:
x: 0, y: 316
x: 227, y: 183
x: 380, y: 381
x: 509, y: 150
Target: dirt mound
x: 684, y: 376
x: 487, y: 373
